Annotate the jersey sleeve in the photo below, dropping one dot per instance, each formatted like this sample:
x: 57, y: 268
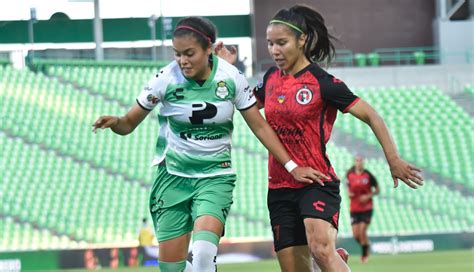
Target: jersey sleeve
x: 348, y: 182
x: 259, y: 90
x: 372, y: 179
x: 153, y: 92
x: 244, y: 97
x: 336, y: 93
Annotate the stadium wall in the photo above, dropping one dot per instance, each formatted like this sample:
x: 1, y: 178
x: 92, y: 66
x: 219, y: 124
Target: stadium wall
x: 361, y: 25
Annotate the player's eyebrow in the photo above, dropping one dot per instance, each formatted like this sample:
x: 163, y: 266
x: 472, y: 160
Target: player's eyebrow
x: 188, y: 50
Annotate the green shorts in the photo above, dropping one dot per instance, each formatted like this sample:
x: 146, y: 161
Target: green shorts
x: 176, y: 202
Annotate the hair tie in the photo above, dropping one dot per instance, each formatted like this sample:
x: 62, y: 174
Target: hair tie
x: 195, y: 30
x: 288, y: 24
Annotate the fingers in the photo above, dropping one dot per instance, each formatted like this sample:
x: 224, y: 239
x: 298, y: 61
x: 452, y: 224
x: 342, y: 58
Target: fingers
x: 413, y: 168
x: 317, y: 179
x: 415, y: 176
x: 409, y: 182
x: 233, y: 50
x: 218, y: 47
x: 103, y: 122
x: 314, y: 175
x: 305, y: 180
x: 416, y: 179
x: 395, y: 182
x: 109, y: 123
x: 96, y: 125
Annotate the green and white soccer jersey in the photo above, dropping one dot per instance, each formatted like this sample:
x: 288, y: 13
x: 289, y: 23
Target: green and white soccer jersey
x: 196, y: 121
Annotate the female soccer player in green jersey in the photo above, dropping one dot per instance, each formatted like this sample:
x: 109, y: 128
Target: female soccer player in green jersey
x: 192, y: 192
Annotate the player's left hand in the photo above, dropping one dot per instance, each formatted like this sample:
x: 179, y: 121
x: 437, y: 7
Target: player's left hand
x: 308, y: 175
x: 228, y: 54
x: 406, y: 172
x: 365, y: 198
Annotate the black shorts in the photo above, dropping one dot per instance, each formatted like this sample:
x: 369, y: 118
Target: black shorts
x: 289, y: 207
x: 361, y: 217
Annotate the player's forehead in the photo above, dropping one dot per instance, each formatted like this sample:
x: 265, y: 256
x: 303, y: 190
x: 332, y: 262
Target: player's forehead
x: 184, y: 43
x: 359, y: 159
x: 279, y: 31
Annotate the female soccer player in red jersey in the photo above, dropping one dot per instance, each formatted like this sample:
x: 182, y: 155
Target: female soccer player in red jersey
x: 362, y: 186
x: 301, y: 102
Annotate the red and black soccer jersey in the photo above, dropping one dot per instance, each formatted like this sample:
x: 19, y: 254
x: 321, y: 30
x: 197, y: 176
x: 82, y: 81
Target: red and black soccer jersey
x: 302, y: 108
x: 360, y: 184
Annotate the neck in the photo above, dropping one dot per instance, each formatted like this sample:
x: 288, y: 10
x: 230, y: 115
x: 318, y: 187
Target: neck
x: 204, y: 75
x: 299, y: 65
x: 359, y: 170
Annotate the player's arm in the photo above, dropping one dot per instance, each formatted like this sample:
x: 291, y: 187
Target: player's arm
x: 399, y: 169
x: 270, y: 140
x: 122, y: 125
x: 348, y: 186
x: 375, y: 190
x: 374, y: 185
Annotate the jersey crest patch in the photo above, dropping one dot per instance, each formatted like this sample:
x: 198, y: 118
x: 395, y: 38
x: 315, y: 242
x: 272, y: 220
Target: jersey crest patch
x: 304, y: 96
x: 221, y: 91
x: 151, y: 98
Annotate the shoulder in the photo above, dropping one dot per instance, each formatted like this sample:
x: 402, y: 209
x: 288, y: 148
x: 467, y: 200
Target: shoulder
x: 350, y: 171
x: 326, y: 79
x: 166, y: 74
x: 226, y: 68
x: 271, y: 71
x: 368, y: 173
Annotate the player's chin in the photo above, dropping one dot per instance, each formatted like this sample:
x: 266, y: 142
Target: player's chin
x: 281, y: 64
x: 188, y: 72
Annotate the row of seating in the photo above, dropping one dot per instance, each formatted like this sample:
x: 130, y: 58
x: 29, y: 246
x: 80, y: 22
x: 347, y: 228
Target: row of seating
x: 101, y: 182
x: 428, y: 127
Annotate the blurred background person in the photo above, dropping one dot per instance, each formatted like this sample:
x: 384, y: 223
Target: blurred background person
x: 362, y: 187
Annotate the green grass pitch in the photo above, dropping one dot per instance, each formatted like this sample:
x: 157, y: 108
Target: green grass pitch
x: 441, y: 261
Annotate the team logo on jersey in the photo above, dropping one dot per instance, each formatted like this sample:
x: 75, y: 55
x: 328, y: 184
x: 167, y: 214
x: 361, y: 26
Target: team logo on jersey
x: 281, y: 99
x: 151, y: 98
x: 304, y: 96
x: 221, y: 91
x: 365, y: 181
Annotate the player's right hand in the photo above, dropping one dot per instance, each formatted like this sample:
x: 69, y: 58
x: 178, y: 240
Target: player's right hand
x: 308, y: 175
x: 229, y: 54
x: 105, y: 122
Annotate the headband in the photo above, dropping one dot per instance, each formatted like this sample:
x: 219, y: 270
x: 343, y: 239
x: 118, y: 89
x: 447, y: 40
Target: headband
x: 195, y: 30
x: 288, y: 24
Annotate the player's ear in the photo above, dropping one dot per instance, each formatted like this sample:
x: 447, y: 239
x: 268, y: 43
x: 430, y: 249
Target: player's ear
x: 302, y: 40
x: 209, y: 50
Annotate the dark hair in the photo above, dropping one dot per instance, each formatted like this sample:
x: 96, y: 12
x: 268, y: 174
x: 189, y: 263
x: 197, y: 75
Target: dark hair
x: 318, y: 46
x: 201, y: 28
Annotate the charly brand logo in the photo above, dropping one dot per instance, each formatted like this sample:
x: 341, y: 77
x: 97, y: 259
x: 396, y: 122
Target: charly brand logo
x: 221, y: 91
x: 304, y: 96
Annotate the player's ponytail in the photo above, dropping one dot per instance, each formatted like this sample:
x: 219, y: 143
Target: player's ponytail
x: 201, y: 28
x: 305, y: 20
